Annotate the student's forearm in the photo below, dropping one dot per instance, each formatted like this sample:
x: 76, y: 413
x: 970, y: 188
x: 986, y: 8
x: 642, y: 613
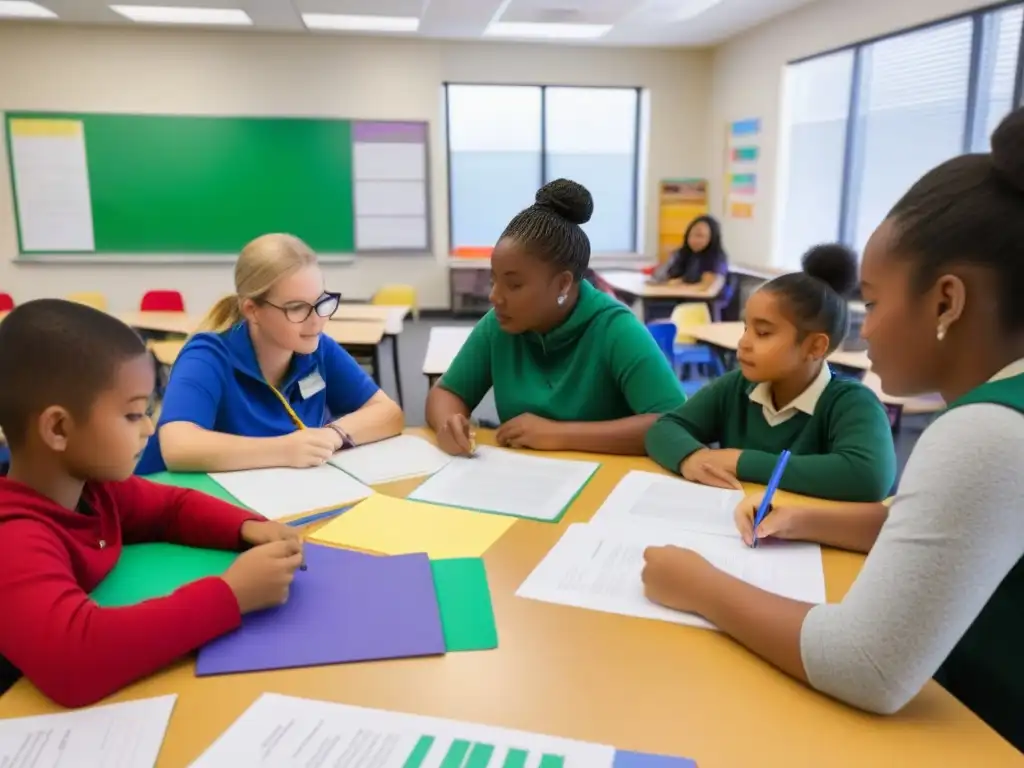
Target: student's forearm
x: 442, y: 404
x: 767, y: 624
x: 624, y: 437
x: 189, y: 448
x: 374, y: 421
x: 854, y: 527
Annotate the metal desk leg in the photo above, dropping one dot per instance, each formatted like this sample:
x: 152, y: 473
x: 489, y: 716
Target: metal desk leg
x: 375, y: 363
x: 398, y: 372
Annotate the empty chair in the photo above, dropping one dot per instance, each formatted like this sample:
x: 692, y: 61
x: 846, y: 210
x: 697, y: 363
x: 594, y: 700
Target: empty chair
x: 398, y: 296
x: 162, y: 301
x: 687, y: 351
x: 92, y: 299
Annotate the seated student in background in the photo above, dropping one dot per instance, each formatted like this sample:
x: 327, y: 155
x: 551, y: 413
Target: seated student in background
x: 75, y: 385
x: 942, y: 590
x: 264, y: 387
x: 701, y: 259
x: 784, y: 397
x: 571, y: 367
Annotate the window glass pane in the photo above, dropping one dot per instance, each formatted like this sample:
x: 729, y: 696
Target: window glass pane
x: 817, y: 105
x: 913, y: 102
x: 494, y: 158
x: 590, y: 137
x: 998, y: 71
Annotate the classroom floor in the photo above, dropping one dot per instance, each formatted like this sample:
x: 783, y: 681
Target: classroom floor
x: 413, y: 347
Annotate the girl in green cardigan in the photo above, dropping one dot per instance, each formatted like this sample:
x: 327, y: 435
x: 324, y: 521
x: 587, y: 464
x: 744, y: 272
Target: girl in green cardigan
x: 784, y: 397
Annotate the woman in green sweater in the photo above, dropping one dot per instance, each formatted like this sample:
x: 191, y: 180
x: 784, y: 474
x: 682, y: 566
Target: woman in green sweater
x: 571, y: 367
x: 784, y: 397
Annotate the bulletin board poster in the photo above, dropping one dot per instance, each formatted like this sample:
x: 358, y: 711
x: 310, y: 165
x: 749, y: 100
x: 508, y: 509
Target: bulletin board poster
x: 743, y: 154
x: 680, y: 201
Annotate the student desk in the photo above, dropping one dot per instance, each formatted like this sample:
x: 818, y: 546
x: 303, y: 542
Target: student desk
x: 393, y: 318
x: 161, y: 322
x: 640, y: 291
x: 442, y: 347
x: 628, y: 682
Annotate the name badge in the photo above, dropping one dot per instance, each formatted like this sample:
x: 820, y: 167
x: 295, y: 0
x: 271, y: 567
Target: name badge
x: 312, y: 384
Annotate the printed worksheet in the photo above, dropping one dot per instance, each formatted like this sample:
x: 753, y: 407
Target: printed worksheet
x: 283, y: 492
x: 599, y: 567
x: 647, y: 498
x: 127, y: 735
x: 396, y: 458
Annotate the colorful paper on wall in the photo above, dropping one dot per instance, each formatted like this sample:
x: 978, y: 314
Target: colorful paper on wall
x: 748, y: 127
x: 743, y: 151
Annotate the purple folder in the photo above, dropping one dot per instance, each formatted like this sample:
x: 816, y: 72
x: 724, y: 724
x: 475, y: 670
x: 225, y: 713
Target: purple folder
x: 347, y: 606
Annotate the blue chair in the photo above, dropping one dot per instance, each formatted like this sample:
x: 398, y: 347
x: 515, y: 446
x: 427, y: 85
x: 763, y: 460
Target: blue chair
x: 665, y: 337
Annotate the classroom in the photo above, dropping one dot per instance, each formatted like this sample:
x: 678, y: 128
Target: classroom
x: 488, y: 578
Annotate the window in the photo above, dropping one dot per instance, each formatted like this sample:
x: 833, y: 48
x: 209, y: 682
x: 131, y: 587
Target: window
x: 997, y: 74
x: 913, y: 109
x: 817, y: 104
x: 505, y: 142
x: 861, y: 125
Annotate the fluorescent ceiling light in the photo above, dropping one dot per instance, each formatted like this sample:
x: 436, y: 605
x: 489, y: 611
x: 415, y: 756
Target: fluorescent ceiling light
x: 158, y: 14
x: 551, y: 31
x: 339, y: 21
x: 24, y: 10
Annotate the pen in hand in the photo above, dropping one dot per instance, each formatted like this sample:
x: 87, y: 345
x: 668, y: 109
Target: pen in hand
x: 773, y: 486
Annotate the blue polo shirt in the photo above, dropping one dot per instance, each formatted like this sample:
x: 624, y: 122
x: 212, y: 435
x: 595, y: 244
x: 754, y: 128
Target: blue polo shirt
x: 216, y: 384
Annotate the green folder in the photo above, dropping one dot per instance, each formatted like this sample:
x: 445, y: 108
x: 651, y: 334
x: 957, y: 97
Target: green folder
x: 196, y: 481
x: 145, y: 571
x: 464, y: 598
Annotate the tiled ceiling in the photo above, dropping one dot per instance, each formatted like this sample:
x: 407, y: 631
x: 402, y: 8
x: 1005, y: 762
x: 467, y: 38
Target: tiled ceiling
x: 631, y: 22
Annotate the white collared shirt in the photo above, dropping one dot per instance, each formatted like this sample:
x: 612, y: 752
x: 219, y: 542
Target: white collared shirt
x: 1016, y: 368
x: 805, y: 402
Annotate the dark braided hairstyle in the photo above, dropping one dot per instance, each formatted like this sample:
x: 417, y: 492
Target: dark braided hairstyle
x: 550, y: 227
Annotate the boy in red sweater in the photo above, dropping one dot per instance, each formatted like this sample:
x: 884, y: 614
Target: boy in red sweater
x: 75, y: 384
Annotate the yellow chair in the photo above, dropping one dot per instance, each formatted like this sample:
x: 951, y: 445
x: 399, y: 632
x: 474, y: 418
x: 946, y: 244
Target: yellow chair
x: 688, y: 315
x: 398, y: 295
x: 92, y: 299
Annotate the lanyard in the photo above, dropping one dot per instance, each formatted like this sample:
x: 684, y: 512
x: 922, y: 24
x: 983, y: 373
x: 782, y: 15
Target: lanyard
x: 287, y: 406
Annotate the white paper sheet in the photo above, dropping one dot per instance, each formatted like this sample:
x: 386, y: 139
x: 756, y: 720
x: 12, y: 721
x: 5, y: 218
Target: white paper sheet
x: 51, y: 182
x: 508, y: 483
x: 598, y: 567
x: 647, y: 498
x: 396, y: 458
x: 286, y: 732
x: 127, y: 735
x: 281, y: 492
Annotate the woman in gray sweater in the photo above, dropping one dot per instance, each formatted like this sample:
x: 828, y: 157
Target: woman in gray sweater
x: 941, y: 592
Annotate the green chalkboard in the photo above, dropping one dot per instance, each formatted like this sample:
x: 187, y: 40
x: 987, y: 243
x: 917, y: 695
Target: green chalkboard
x: 202, y: 185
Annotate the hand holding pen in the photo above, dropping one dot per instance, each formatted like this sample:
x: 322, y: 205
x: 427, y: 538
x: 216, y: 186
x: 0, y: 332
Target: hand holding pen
x: 765, y: 507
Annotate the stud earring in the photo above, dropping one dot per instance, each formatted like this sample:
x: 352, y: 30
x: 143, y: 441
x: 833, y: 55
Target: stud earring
x: 561, y: 300
x: 940, y: 334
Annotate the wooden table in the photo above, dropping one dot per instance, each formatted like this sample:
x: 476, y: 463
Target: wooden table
x: 393, y: 317
x: 161, y: 322
x: 638, y: 288
x: 442, y: 347
x: 631, y: 683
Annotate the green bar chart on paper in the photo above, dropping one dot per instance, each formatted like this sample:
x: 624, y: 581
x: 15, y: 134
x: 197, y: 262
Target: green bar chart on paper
x: 462, y: 753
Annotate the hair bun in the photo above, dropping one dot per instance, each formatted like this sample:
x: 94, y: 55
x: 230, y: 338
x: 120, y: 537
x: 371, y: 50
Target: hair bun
x: 833, y: 264
x: 1008, y: 149
x: 567, y: 199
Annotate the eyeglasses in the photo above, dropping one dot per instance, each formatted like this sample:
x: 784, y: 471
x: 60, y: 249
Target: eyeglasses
x: 299, y: 311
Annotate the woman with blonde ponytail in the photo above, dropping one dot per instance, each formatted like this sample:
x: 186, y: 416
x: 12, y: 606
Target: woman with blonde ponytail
x: 260, y: 385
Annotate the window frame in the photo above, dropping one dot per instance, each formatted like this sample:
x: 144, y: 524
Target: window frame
x: 543, y: 87
x: 979, y: 80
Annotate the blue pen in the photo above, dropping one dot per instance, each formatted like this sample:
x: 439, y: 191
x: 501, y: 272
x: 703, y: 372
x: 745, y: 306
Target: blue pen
x: 773, y: 486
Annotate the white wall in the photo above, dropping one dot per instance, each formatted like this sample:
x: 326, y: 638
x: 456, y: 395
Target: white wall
x: 747, y: 81
x: 190, y: 72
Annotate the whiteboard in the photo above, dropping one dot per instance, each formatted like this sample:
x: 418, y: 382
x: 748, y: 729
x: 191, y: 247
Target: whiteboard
x: 381, y: 233
x: 391, y: 198
x: 390, y: 162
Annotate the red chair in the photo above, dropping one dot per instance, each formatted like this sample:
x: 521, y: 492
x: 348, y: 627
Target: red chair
x: 6, y: 302
x: 162, y: 301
